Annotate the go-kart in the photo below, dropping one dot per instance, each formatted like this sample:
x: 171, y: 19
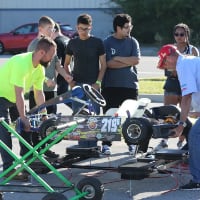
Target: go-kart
x: 137, y: 123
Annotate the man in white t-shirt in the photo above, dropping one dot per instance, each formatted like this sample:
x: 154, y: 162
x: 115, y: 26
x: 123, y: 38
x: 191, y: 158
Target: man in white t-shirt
x: 188, y: 70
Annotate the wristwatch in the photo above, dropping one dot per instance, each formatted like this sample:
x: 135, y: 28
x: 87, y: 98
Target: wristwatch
x: 184, y: 124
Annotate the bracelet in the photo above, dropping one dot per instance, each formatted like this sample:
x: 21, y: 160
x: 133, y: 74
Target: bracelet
x: 98, y: 83
x: 46, y: 79
x: 184, y: 124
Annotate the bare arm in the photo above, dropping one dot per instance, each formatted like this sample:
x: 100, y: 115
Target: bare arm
x: 185, y: 108
x: 20, y: 103
x: 102, y: 60
x: 63, y: 73
x: 119, y: 62
x: 67, y: 63
x: 39, y: 99
x: 67, y: 67
x: 195, y: 51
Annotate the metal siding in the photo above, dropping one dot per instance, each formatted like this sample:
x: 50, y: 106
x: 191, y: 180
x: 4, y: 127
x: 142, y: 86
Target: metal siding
x: 7, y: 4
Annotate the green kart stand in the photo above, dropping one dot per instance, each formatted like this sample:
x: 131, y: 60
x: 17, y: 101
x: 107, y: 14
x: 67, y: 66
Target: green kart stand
x: 87, y: 188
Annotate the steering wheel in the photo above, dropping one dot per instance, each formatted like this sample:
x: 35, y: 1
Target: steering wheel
x: 94, y: 95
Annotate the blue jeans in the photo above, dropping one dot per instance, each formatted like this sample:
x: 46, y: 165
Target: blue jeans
x: 5, y: 136
x: 194, y: 151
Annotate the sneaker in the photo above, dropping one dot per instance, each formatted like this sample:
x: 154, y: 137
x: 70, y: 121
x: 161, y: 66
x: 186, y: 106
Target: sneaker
x: 190, y: 186
x: 51, y: 154
x: 132, y: 149
x: 19, y: 177
x: 106, y: 150
x: 179, y: 144
x: 163, y: 144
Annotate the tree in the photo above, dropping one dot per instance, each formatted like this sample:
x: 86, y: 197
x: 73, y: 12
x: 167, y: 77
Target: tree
x: 153, y: 20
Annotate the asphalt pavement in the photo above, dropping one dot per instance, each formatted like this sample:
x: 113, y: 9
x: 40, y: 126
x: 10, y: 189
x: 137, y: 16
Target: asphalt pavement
x: 156, y: 187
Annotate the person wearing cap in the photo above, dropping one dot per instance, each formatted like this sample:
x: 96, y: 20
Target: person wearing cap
x: 172, y: 89
x: 188, y: 71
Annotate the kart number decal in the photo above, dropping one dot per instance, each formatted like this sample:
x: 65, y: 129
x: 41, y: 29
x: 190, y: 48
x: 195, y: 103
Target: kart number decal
x: 110, y: 125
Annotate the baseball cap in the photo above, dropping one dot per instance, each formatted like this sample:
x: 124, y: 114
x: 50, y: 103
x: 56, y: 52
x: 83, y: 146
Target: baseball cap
x: 165, y: 51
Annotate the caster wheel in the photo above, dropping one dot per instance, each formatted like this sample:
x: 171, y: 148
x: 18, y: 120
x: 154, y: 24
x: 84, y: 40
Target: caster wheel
x: 54, y: 196
x: 94, y: 188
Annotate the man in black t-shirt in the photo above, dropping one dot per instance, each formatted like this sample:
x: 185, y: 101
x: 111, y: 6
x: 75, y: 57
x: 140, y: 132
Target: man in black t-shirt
x: 89, y: 60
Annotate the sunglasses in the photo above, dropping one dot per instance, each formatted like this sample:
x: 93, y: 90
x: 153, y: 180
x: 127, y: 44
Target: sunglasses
x: 84, y: 29
x: 179, y: 34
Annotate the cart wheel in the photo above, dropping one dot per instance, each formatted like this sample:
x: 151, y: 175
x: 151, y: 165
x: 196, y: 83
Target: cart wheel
x: 46, y: 128
x: 54, y: 196
x: 136, y: 130
x: 93, y: 186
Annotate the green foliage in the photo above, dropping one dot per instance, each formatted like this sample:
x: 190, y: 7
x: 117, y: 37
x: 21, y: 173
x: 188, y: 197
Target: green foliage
x: 154, y: 20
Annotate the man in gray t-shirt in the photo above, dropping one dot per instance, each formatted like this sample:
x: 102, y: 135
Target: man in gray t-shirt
x: 120, y: 81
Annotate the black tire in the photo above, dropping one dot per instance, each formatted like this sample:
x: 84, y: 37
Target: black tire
x: 54, y: 196
x: 47, y: 127
x: 93, y: 186
x: 1, y: 48
x: 136, y: 130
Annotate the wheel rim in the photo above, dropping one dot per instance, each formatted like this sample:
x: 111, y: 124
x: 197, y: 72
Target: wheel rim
x: 134, y: 131
x: 90, y: 190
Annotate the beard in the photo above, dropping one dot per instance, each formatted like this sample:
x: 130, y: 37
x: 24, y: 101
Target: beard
x: 44, y: 64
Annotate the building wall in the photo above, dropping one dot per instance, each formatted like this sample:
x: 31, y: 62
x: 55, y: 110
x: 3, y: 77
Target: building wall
x: 21, y: 4
x: 13, y: 13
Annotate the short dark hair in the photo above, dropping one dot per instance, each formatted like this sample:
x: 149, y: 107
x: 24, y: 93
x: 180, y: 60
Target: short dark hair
x: 45, y: 20
x: 84, y: 19
x: 45, y: 43
x: 120, y: 20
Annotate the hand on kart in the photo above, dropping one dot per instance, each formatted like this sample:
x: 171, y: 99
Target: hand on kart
x: 26, y: 124
x: 176, y: 132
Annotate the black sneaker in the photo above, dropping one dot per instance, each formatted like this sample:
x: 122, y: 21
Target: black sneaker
x: 190, y: 186
x: 51, y: 154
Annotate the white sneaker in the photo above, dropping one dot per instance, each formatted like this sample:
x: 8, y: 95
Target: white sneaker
x: 163, y: 144
x: 132, y: 149
x: 106, y: 150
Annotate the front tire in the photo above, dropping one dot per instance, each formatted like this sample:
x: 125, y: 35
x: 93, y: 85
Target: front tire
x: 136, y: 130
x: 93, y: 186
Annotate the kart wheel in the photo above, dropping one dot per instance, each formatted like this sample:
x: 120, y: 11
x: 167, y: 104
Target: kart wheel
x: 54, y: 196
x: 136, y: 130
x: 1, y: 48
x: 94, y: 95
x: 93, y: 186
x: 46, y: 128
